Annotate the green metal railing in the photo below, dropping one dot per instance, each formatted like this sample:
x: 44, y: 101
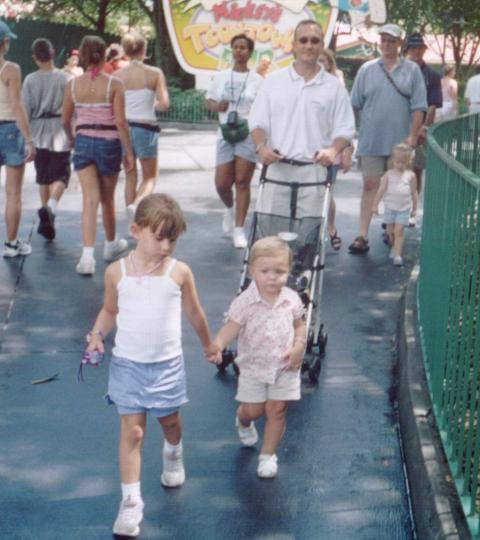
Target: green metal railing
x: 188, y: 107
x: 448, y: 299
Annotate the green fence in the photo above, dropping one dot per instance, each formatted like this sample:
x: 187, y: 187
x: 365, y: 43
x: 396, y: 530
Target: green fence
x: 448, y: 299
x: 188, y: 107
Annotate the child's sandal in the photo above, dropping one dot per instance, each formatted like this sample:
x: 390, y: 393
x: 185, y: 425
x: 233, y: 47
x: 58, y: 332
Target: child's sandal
x: 335, y: 241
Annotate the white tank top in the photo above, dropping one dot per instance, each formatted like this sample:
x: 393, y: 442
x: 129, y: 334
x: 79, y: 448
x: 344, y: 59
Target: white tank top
x: 149, y: 320
x: 6, y: 112
x: 140, y: 105
x: 398, y: 196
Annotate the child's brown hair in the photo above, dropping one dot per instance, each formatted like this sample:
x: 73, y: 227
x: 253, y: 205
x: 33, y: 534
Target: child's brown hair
x: 160, y: 209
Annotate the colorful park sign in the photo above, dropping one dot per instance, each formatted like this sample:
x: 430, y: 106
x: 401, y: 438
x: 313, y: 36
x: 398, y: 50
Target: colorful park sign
x: 201, y: 30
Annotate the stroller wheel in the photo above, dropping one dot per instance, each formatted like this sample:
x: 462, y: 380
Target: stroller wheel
x: 314, y: 369
x: 322, y: 340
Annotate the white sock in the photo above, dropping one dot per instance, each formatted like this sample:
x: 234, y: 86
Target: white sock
x: 52, y: 203
x: 87, y: 253
x: 172, y: 448
x: 132, y: 491
x: 12, y: 242
x: 239, y: 230
x: 111, y: 244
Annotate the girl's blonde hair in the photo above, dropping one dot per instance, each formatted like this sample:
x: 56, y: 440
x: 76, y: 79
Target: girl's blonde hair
x: 270, y: 246
x: 134, y: 44
x: 160, y: 209
x: 331, y: 61
x: 404, y: 150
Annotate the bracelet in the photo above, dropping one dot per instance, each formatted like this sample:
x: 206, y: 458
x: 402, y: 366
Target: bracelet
x: 259, y: 145
x: 97, y: 333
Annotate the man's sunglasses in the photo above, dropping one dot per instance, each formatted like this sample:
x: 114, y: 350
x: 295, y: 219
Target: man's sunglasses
x: 313, y: 40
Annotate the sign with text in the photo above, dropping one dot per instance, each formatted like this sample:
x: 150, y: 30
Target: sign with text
x: 201, y: 30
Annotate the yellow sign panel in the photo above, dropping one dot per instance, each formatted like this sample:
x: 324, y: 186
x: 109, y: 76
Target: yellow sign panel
x: 201, y: 30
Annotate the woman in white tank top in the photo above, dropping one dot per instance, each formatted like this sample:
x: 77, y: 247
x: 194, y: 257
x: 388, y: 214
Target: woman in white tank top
x: 16, y: 145
x: 145, y: 91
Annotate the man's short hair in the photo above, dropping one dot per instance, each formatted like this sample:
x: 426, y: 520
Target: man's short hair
x: 306, y: 22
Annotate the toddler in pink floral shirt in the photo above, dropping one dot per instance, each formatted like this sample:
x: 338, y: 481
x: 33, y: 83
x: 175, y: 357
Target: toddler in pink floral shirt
x: 268, y: 320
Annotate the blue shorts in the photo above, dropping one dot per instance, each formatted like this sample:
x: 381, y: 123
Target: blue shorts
x: 105, y: 154
x: 144, y: 142
x: 12, y: 145
x: 158, y: 388
x: 391, y: 217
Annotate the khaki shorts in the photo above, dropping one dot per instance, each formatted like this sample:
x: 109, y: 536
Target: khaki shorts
x: 285, y: 388
x: 373, y: 165
x: 420, y: 157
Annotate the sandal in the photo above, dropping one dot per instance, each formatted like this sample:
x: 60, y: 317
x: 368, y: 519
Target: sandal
x: 335, y: 241
x: 359, y: 246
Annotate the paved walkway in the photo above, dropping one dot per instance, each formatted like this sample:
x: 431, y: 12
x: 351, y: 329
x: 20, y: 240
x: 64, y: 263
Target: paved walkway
x: 341, y: 475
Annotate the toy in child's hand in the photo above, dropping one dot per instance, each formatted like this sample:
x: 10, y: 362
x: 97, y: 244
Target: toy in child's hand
x: 92, y: 358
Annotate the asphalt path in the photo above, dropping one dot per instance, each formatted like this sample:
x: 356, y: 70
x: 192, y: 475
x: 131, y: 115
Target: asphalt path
x: 340, y: 469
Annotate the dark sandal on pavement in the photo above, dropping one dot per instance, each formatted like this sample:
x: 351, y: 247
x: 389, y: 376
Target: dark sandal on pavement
x: 335, y: 241
x: 359, y: 246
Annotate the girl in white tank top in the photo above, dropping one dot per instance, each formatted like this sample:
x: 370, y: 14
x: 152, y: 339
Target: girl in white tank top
x: 144, y: 294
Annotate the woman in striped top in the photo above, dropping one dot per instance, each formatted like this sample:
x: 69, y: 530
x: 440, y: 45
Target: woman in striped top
x: 98, y: 102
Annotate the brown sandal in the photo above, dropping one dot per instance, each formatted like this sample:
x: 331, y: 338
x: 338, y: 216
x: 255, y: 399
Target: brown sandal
x: 359, y: 246
x: 335, y: 241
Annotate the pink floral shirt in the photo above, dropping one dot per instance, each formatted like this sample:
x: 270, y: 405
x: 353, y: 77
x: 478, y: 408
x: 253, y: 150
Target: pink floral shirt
x: 267, y: 331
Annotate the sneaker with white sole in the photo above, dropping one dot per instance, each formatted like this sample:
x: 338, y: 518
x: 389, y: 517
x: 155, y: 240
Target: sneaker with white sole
x: 397, y: 261
x: 228, y: 222
x: 17, y: 248
x: 86, y: 266
x: 239, y: 238
x: 267, y: 466
x: 114, y: 249
x: 130, y: 515
x: 173, y: 474
x: 248, y: 435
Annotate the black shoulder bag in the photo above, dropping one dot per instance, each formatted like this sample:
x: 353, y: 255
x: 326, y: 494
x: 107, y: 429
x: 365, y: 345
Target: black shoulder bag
x: 235, y: 129
x: 392, y: 82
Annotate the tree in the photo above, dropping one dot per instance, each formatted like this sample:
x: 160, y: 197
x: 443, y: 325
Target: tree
x: 454, y: 23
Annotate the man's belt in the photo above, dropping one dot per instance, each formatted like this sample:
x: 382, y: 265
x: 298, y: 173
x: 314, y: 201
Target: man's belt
x: 47, y: 115
x: 149, y: 127
x: 99, y: 127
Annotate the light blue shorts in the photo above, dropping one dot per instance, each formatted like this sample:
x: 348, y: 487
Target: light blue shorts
x: 144, y: 142
x: 226, y: 151
x: 12, y: 145
x: 394, y: 216
x: 158, y: 388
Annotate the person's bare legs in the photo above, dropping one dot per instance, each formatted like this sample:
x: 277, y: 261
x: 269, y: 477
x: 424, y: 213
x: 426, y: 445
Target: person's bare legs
x: 13, y: 200
x: 419, y: 175
x: 275, y: 420
x: 370, y: 187
x: 172, y: 427
x: 224, y: 181
x: 399, y: 239
x: 248, y: 412
x: 149, y: 172
x: 107, y: 200
x: 131, y: 180
x: 132, y: 434
x: 391, y: 233
x: 243, y: 174
x: 332, y: 229
x: 90, y: 184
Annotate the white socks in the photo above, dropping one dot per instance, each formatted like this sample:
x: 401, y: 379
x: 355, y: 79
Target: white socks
x: 88, y: 252
x: 132, y: 491
x: 52, y: 203
x: 172, y: 448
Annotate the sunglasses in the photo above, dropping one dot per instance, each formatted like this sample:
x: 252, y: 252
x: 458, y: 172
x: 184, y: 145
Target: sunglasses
x: 313, y: 40
x: 388, y: 40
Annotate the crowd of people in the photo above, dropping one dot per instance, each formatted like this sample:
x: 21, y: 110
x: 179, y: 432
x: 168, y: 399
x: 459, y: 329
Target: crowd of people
x: 102, y: 106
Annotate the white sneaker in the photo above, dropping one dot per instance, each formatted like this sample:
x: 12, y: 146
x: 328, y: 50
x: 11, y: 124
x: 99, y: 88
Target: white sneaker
x: 86, y: 267
x: 14, y: 250
x: 130, y: 210
x: 173, y: 474
x: 267, y: 466
x: 130, y: 515
x: 113, y: 250
x: 239, y: 238
x: 228, y: 222
x: 397, y: 261
x: 247, y: 435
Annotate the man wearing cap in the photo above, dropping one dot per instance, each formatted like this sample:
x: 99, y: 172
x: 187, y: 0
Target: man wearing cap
x: 389, y: 97
x: 16, y: 145
x: 415, y: 49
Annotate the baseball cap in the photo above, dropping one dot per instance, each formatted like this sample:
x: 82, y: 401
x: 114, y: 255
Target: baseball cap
x: 6, y: 32
x: 415, y: 40
x: 392, y: 30
x: 73, y: 52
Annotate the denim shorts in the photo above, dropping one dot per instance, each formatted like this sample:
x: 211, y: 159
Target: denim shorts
x: 144, y: 142
x: 52, y: 166
x: 105, y: 154
x: 158, y: 388
x: 394, y: 216
x: 226, y: 151
x: 12, y: 145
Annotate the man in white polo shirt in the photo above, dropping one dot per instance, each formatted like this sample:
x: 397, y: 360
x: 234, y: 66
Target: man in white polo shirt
x: 302, y: 112
x: 472, y: 94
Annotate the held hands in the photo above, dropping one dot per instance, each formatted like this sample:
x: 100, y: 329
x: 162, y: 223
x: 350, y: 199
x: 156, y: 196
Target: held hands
x: 31, y: 151
x: 213, y: 353
x: 411, y: 141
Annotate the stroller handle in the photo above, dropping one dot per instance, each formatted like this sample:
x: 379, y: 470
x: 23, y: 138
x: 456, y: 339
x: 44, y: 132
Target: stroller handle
x: 298, y: 163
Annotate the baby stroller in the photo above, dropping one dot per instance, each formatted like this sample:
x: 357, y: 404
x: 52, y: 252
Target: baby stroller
x: 293, y: 202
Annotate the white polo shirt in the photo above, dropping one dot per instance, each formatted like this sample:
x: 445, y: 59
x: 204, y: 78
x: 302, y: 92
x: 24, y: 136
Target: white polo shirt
x: 472, y: 92
x: 300, y: 118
